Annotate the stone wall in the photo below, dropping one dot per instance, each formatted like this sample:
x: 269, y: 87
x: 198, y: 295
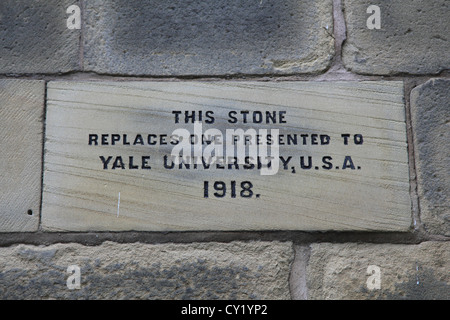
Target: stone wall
x: 230, y: 40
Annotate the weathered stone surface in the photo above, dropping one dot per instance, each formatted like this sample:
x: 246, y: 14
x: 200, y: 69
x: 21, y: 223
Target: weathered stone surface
x: 34, y: 37
x: 212, y: 37
x: 21, y: 116
x: 298, y: 282
x: 93, y: 184
x: 339, y: 271
x: 237, y: 270
x: 413, y: 39
x: 430, y: 113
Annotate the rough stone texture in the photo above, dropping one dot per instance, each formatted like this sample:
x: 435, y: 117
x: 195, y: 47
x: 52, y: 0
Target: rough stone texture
x: 212, y: 37
x: 237, y: 270
x: 34, y: 37
x: 430, y: 112
x: 21, y: 113
x: 299, y: 289
x: 413, y: 39
x: 339, y: 271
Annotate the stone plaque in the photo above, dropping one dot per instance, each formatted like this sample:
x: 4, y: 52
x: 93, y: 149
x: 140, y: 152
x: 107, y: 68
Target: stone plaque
x: 182, y: 156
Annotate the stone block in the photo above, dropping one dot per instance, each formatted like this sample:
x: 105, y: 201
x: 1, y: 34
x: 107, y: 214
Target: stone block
x: 351, y: 271
x: 412, y: 39
x: 111, y: 151
x: 430, y: 113
x: 236, y: 270
x: 212, y: 37
x: 21, y: 131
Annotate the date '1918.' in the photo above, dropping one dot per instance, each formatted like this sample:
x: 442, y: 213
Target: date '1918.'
x: 222, y: 189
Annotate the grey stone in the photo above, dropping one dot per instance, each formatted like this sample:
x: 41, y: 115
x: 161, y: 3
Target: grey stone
x: 236, y: 270
x: 34, y: 37
x: 21, y: 135
x: 299, y: 289
x: 212, y: 37
x: 418, y: 272
x: 413, y: 38
x: 430, y: 113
